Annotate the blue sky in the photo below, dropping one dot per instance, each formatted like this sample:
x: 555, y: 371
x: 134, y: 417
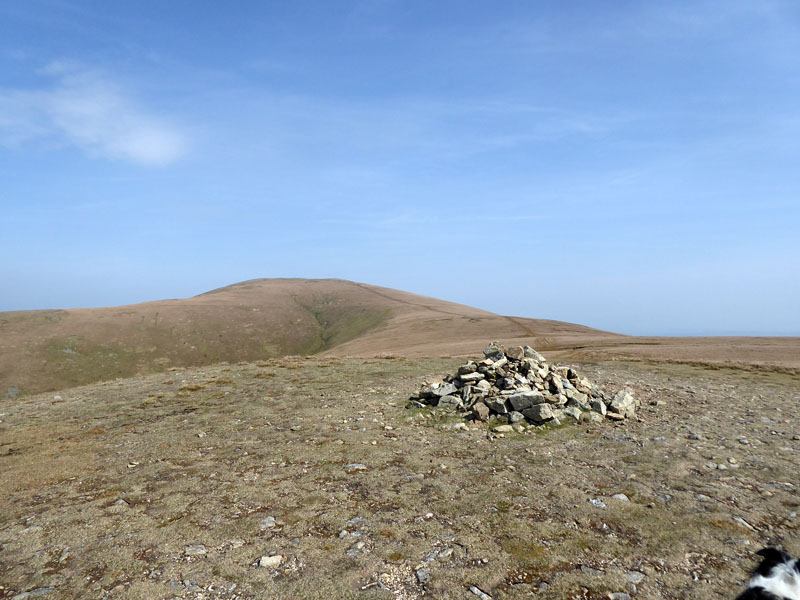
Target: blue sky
x: 631, y: 166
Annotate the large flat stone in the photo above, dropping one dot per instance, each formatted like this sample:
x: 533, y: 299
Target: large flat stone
x: 497, y: 405
x: 624, y: 403
x: 471, y: 377
x: 538, y: 413
x: 444, y: 389
x: 522, y: 400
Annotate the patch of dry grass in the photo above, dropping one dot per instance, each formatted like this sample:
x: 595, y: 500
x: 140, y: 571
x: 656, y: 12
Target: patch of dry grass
x: 124, y: 476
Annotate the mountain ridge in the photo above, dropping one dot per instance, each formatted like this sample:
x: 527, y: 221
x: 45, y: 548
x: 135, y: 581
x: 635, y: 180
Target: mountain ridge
x: 259, y: 319
x: 256, y: 319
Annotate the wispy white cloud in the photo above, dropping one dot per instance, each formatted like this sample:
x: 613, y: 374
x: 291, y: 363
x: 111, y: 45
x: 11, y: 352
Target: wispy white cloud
x: 92, y: 112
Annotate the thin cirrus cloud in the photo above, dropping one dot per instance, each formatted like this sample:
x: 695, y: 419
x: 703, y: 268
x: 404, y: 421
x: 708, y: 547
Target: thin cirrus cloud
x: 89, y: 111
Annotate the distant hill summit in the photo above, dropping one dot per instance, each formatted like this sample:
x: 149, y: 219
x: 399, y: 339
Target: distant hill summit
x: 259, y: 319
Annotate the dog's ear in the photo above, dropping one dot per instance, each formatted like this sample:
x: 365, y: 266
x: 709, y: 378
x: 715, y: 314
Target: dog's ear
x: 770, y: 558
x: 773, y: 554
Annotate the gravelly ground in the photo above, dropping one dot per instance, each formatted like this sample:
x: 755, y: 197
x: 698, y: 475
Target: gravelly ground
x: 163, y: 487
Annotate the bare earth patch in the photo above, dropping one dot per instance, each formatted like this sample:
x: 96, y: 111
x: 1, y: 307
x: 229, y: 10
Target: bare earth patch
x: 181, y: 484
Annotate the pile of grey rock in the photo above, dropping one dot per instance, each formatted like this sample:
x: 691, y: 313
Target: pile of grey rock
x: 516, y: 386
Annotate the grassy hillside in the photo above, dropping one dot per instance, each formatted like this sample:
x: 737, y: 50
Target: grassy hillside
x: 47, y: 350
x: 55, y: 349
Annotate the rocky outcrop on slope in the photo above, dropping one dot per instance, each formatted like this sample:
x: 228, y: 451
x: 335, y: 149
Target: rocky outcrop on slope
x: 517, y: 386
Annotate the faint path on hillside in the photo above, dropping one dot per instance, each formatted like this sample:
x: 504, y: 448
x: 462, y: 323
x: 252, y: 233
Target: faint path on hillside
x: 522, y: 326
x: 393, y: 299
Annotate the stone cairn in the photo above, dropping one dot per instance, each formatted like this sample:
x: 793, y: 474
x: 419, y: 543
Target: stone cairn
x: 516, y: 385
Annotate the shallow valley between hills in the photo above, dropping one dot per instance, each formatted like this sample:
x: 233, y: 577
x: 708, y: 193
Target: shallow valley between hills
x: 307, y: 477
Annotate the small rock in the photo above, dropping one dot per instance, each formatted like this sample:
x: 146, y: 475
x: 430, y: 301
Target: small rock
x: 469, y: 367
x: 515, y: 353
x: 451, y: 401
x: 355, y: 549
x: 471, y: 377
x: 619, y: 596
x: 504, y: 429
x: 445, y: 554
x: 596, y: 502
x: 523, y: 400
x: 196, y: 550
x: 624, y: 404
x: 34, y: 593
x: 268, y: 523
x: 483, y: 386
x: 479, y: 593
x: 444, y: 389
x: 635, y: 577
x: 493, y: 351
x: 539, y: 413
x: 574, y: 412
x: 531, y: 353
x: 354, y: 468
x: 621, y: 497
x: 499, y: 363
x: 497, y: 405
x: 423, y: 576
x: 480, y: 411
x: 270, y: 562
x: 32, y: 529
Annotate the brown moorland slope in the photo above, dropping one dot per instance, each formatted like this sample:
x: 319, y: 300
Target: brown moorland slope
x: 55, y: 349
x: 263, y: 318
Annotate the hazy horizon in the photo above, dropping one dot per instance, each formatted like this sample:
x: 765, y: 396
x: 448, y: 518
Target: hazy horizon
x: 626, y: 166
x: 664, y: 333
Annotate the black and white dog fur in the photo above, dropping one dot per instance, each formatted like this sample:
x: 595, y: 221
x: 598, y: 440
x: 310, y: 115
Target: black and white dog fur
x: 776, y: 578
